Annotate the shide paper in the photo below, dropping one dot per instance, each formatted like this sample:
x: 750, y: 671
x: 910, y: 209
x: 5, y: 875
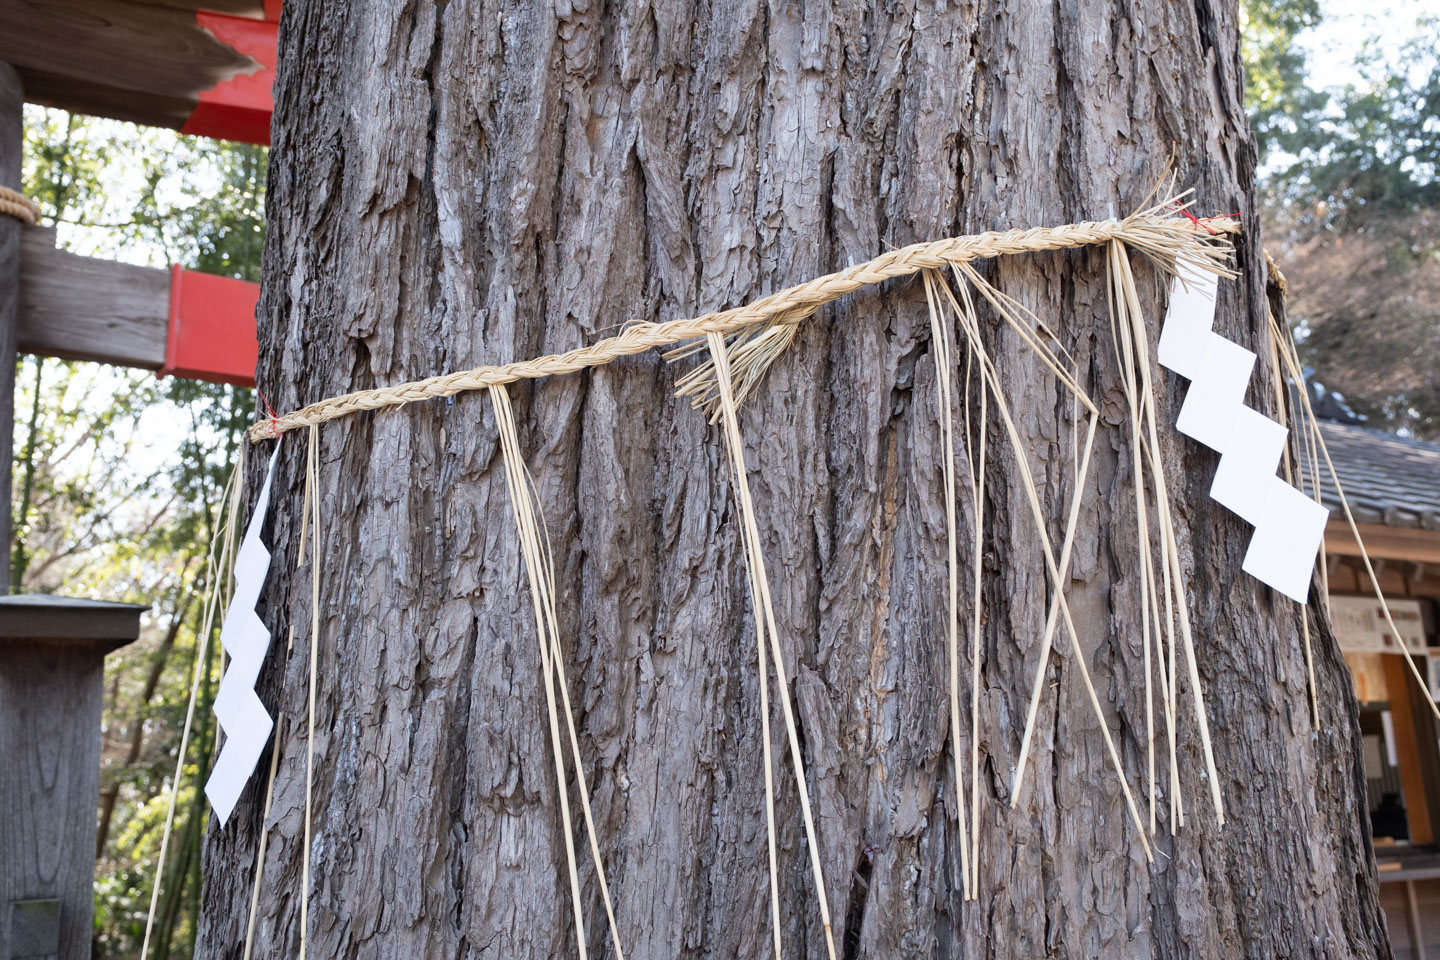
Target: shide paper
x: 239, y: 711
x: 1288, y: 525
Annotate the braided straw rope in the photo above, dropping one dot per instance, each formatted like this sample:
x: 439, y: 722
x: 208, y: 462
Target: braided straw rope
x: 1154, y: 232
x: 15, y: 204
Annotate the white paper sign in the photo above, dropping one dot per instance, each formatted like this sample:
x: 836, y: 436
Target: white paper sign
x: 1283, y: 548
x: 1360, y: 624
x: 1288, y: 525
x: 239, y: 711
x: 1252, y: 450
x: 1188, y: 321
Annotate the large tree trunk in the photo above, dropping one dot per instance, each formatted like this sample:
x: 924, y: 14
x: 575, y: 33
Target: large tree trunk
x: 463, y: 183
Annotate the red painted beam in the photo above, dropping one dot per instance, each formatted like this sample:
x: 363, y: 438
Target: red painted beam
x: 212, y: 328
x: 238, y: 108
x: 212, y: 319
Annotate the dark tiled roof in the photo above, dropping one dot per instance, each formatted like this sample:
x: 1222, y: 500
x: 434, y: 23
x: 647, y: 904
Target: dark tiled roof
x: 1387, y: 479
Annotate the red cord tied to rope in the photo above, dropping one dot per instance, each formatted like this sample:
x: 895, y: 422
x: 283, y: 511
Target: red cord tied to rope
x: 1200, y: 222
x: 274, y: 431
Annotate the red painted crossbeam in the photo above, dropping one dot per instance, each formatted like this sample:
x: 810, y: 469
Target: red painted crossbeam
x: 211, y: 333
x: 212, y: 328
x: 239, y: 108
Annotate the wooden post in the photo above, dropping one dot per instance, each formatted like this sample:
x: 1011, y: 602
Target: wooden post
x: 1416, y: 923
x: 1414, y: 737
x: 52, y: 660
x: 12, y: 104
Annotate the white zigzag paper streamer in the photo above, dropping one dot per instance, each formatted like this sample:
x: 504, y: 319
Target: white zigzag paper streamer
x: 239, y: 711
x: 1288, y: 525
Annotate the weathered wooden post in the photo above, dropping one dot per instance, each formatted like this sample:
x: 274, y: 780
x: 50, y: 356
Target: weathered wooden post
x: 12, y: 108
x: 52, y: 659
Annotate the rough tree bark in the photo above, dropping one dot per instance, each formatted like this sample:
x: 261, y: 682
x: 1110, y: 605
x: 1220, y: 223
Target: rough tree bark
x: 463, y: 183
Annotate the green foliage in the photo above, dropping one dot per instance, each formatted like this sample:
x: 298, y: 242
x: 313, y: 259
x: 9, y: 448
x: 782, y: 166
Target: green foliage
x: 119, y: 477
x: 1369, y: 149
x: 1374, y: 151
x: 65, y: 157
x: 1277, y: 97
x: 147, y: 196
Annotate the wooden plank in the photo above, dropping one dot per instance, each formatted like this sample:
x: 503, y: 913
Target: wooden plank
x: 1393, y: 583
x: 85, y: 308
x: 240, y: 108
x: 1417, y: 930
x: 50, y: 699
x: 1412, y: 913
x: 51, y: 690
x: 1343, y: 579
x: 1408, y: 873
x: 1381, y: 542
x: 12, y: 104
x: 235, y: 8
x: 92, y: 624
x: 1393, y: 902
x: 212, y: 328
x: 102, y: 100
x: 86, y: 55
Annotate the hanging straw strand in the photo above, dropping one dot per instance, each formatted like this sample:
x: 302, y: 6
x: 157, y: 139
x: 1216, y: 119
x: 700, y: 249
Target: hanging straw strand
x: 312, y: 471
x: 1120, y: 335
x: 224, y: 540
x: 761, y: 582
x: 1298, y: 437
x: 1142, y: 349
x: 940, y: 351
x: 977, y: 487
x: 264, y: 837
x: 524, y: 514
x: 970, y: 324
x: 1292, y: 364
x: 540, y: 572
x: 557, y: 665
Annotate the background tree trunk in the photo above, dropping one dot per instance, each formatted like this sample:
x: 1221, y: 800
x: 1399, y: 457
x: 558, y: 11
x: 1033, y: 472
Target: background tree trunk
x: 463, y: 183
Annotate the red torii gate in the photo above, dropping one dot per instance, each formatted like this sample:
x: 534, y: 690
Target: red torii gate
x: 165, y: 63
x: 198, y: 66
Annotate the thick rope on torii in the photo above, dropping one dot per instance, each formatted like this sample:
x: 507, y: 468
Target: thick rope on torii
x: 15, y: 204
x: 1166, y: 232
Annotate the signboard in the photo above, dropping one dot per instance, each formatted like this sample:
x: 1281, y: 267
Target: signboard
x: 1360, y: 625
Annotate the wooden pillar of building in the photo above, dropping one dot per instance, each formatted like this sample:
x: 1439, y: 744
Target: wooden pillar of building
x: 12, y: 106
x: 1416, y: 749
x: 52, y: 665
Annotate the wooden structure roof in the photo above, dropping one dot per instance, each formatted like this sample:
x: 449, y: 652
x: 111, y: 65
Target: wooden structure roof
x: 164, y: 63
x: 1387, y: 478
x: 1392, y: 484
